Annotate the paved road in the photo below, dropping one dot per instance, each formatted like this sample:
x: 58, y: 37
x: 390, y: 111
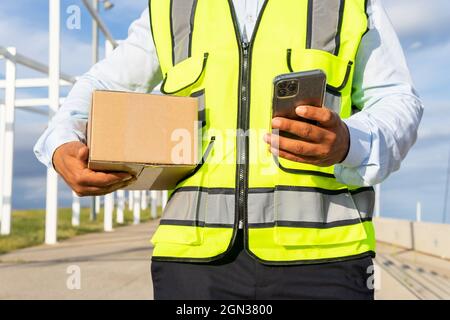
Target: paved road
x: 407, y: 274
x: 113, y: 265
x: 116, y: 266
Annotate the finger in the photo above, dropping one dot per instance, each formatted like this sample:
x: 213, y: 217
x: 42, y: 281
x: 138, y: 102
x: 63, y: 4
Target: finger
x: 96, y: 191
x: 303, y: 130
x: 119, y: 186
x: 293, y: 157
x: 91, y: 178
x: 83, y: 154
x: 326, y: 117
x: 294, y: 146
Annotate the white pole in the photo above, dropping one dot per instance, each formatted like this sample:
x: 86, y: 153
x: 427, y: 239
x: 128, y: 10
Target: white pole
x: 120, y: 206
x: 137, y: 208
x: 418, y: 212
x: 92, y: 214
x: 95, y: 34
x: 76, y: 208
x: 51, y: 217
x: 154, y: 204
x: 377, y: 209
x: 159, y: 199
x: 8, y: 145
x: 98, y: 204
x: 109, y: 198
x: 95, y: 204
x: 130, y: 200
x: 108, y: 213
x: 165, y: 196
x: 144, y: 200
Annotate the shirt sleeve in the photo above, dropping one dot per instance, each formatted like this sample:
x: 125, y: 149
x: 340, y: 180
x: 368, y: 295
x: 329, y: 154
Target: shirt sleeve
x: 382, y: 133
x: 132, y: 66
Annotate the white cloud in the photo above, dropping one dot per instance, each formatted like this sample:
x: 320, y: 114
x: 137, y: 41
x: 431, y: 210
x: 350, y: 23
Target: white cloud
x: 418, y: 16
x: 435, y: 124
x: 33, y: 42
x: 430, y: 67
x: 31, y: 193
x: 416, y: 45
x: 27, y: 132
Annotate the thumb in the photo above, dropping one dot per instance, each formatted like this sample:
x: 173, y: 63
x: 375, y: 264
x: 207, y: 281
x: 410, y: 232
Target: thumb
x: 83, y: 153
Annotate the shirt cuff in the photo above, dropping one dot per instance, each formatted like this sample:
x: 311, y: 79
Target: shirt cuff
x: 360, y: 143
x: 46, y: 146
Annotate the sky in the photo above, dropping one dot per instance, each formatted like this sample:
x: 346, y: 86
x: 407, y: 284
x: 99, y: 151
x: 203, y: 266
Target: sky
x: 422, y: 27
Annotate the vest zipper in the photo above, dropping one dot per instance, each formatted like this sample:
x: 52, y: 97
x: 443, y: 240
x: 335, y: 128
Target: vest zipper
x: 242, y: 184
x: 242, y: 138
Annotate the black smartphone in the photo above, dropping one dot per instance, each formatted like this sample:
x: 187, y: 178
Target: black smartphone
x: 295, y: 89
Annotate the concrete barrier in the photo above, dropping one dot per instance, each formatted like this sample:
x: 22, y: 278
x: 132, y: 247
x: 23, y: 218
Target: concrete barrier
x: 432, y: 238
x: 395, y: 231
x: 426, y: 237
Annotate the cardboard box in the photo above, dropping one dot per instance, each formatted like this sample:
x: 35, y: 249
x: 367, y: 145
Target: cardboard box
x: 153, y: 137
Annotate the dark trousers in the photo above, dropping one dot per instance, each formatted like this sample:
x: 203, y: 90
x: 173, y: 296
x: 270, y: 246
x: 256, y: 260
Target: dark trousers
x: 239, y: 276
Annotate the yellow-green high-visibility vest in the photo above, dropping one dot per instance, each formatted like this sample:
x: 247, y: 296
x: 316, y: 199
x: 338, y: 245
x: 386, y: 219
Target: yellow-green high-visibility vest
x: 291, y: 213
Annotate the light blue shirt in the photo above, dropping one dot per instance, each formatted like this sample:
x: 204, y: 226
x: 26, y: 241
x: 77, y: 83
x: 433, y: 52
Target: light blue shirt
x: 380, y: 135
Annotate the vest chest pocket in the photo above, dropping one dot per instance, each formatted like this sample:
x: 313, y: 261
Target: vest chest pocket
x: 185, y: 76
x: 338, y: 71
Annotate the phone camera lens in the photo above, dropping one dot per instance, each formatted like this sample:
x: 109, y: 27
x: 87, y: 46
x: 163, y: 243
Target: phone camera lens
x: 292, y: 86
x: 282, y: 92
x: 282, y: 85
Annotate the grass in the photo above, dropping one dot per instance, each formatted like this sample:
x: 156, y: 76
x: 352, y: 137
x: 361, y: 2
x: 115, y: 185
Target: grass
x: 28, y: 227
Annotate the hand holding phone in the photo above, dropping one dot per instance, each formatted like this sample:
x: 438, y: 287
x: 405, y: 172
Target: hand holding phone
x: 310, y: 135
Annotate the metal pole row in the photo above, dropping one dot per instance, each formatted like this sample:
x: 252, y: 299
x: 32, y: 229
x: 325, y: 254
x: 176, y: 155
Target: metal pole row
x: 138, y: 201
x: 55, y: 79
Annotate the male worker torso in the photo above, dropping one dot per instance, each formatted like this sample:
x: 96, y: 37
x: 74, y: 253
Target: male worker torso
x: 290, y: 213
x: 263, y: 216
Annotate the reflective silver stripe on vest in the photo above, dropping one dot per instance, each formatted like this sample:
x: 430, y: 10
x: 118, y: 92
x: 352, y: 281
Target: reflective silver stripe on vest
x: 288, y: 206
x: 182, y: 20
x: 324, y: 24
x: 365, y: 202
x: 213, y: 208
x: 309, y: 207
x: 333, y: 101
